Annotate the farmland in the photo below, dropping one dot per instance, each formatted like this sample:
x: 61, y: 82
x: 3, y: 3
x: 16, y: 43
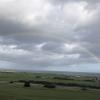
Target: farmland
x: 17, y: 91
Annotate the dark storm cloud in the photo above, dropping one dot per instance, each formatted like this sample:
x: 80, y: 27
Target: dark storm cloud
x: 11, y: 27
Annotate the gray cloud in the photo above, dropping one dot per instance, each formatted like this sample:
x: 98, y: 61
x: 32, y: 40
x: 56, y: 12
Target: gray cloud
x: 48, y: 34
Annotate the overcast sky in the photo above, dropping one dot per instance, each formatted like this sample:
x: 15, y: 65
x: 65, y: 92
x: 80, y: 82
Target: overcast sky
x: 55, y: 35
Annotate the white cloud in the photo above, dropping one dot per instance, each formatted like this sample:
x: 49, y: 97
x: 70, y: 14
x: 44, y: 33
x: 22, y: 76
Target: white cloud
x: 12, y: 50
x: 70, y: 47
x: 29, y: 12
x: 77, y: 14
x: 39, y: 46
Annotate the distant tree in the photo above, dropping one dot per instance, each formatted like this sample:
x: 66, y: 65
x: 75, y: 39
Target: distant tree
x: 50, y: 85
x: 11, y: 82
x: 27, y: 84
x: 38, y: 76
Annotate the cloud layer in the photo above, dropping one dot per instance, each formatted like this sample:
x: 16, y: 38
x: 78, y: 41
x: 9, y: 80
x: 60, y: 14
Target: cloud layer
x: 50, y: 34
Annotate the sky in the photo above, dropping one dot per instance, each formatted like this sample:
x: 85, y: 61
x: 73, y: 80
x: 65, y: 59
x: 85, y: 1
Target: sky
x: 50, y: 35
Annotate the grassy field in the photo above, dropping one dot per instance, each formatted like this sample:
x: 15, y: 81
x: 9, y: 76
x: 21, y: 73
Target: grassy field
x: 17, y: 91
x: 45, y: 77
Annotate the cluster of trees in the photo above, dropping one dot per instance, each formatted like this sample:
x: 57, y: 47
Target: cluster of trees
x: 50, y: 85
x: 68, y: 78
x: 54, y: 84
x: 63, y: 78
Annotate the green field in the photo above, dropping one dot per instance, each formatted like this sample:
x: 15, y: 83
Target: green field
x: 17, y: 91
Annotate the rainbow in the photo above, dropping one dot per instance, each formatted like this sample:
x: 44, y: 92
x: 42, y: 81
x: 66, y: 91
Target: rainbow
x: 97, y: 59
